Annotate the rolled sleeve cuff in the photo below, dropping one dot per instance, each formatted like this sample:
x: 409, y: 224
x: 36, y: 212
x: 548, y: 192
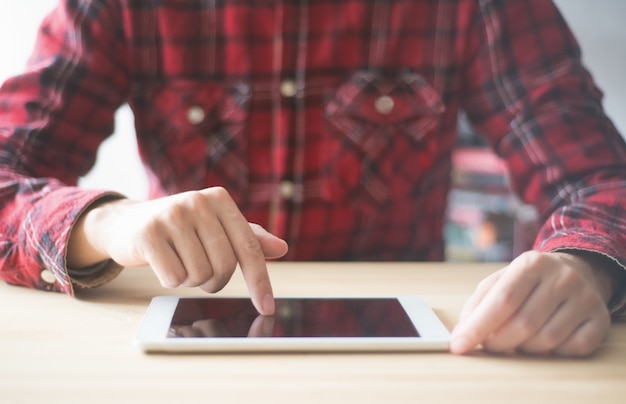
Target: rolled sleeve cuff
x: 95, y: 275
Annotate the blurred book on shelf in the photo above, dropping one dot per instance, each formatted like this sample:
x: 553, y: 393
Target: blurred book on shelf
x: 485, y: 221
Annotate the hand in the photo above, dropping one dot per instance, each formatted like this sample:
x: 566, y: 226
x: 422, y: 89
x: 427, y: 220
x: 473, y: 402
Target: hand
x: 194, y: 238
x: 542, y: 303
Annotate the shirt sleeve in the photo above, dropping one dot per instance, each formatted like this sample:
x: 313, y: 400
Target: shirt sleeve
x: 53, y: 117
x: 527, y: 91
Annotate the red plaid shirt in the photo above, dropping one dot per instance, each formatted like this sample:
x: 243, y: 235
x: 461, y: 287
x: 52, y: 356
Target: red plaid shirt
x: 331, y: 123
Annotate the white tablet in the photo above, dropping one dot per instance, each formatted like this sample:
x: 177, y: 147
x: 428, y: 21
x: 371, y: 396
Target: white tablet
x: 218, y: 324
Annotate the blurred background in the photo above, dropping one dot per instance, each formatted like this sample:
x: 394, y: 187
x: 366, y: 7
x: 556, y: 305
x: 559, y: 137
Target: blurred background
x: 600, y: 26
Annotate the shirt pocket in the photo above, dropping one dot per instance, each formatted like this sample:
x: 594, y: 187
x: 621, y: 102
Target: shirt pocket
x: 382, y: 137
x: 192, y: 134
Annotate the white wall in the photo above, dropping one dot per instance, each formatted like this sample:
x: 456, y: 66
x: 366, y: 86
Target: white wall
x: 600, y: 26
x: 118, y: 167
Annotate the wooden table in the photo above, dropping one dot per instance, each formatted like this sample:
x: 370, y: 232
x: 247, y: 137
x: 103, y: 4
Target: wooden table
x: 57, y: 349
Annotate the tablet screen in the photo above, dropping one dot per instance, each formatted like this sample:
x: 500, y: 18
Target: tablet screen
x: 330, y: 317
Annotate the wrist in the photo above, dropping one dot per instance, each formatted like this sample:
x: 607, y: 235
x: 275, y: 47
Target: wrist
x: 608, y: 275
x: 85, y: 247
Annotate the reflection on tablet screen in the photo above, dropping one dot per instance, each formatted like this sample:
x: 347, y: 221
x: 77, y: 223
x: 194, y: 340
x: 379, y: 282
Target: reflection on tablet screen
x: 237, y: 317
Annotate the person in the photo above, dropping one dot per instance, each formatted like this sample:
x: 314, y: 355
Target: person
x: 316, y: 131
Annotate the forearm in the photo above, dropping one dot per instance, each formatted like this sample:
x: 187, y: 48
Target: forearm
x: 85, y: 247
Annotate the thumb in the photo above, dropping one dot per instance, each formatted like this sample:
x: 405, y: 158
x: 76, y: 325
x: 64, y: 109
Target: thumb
x: 273, y: 246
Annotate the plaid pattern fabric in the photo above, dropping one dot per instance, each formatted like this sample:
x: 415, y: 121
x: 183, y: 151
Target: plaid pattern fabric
x: 331, y: 123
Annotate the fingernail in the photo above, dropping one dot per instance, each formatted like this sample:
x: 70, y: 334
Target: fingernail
x: 268, y: 305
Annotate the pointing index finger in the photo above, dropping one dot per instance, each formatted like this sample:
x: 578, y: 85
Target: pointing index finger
x: 253, y: 267
x: 249, y: 255
x: 501, y: 302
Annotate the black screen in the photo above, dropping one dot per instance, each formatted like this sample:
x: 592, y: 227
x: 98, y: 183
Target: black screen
x: 323, y: 317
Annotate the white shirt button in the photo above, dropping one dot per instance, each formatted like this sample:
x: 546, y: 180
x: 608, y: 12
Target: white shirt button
x: 287, y: 189
x: 47, y: 276
x: 384, y: 104
x: 288, y: 88
x: 195, y: 114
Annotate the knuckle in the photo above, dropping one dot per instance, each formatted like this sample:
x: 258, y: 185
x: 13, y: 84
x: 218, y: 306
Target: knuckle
x: 568, y: 284
x: 209, y: 287
x: 227, y: 266
x: 172, y: 279
x: 571, y: 277
x: 251, y: 246
x: 219, y: 278
x: 198, y: 276
x: 218, y: 193
x: 507, y: 300
x: 194, y: 199
x: 484, y: 284
x: 152, y: 229
x: 174, y: 214
x: 548, y: 340
x: 531, y: 259
x: 216, y: 283
x: 526, y: 327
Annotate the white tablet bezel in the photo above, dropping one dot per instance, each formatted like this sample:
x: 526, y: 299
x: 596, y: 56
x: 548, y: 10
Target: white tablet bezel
x: 152, y: 333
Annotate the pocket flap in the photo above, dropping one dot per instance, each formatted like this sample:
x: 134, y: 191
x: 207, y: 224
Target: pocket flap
x: 385, y: 100
x: 189, y: 102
